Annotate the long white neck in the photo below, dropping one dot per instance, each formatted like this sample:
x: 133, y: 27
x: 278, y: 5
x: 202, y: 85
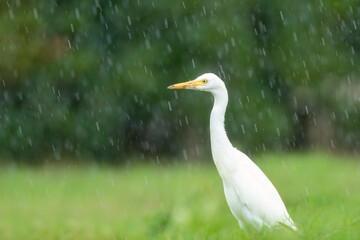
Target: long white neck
x: 220, y: 144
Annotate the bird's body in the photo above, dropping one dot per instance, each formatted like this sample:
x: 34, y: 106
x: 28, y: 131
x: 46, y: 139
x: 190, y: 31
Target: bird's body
x: 252, y: 198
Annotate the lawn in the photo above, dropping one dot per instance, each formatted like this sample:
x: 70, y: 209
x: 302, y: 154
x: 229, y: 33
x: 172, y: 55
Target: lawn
x: 175, y: 201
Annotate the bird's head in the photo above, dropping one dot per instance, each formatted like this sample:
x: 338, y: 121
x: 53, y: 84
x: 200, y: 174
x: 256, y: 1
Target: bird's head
x: 208, y: 82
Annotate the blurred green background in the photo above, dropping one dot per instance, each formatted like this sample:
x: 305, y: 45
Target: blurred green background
x: 87, y: 79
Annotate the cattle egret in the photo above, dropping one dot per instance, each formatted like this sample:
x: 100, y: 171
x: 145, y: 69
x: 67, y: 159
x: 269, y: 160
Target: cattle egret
x: 252, y: 198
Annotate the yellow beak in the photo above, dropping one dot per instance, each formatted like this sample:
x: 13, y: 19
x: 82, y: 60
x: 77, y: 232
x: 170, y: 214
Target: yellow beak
x: 187, y: 85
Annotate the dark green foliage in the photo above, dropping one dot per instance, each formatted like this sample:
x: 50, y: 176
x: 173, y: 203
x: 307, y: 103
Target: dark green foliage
x: 88, y: 79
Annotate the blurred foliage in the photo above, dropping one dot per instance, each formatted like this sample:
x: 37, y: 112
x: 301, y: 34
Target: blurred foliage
x: 88, y: 79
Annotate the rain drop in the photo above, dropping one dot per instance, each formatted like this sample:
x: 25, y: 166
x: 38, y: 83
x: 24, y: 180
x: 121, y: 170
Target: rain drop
x: 169, y: 104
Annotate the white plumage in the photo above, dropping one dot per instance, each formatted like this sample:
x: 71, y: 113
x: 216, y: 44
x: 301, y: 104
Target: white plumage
x: 252, y: 198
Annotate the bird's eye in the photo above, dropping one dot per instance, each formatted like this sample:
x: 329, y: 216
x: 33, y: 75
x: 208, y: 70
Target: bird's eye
x: 205, y: 81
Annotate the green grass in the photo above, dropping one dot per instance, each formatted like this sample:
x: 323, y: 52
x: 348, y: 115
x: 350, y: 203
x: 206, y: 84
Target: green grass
x: 321, y: 192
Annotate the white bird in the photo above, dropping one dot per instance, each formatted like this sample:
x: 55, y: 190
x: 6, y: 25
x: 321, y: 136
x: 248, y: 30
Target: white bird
x: 252, y: 198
